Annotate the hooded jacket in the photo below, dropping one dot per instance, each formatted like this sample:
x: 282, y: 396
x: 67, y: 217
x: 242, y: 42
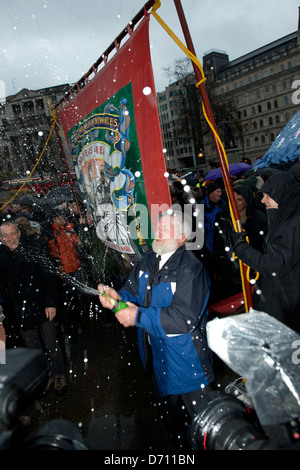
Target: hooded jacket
x: 175, y: 321
x: 211, y: 211
x: 278, y: 292
x: 256, y: 224
x: 63, y: 247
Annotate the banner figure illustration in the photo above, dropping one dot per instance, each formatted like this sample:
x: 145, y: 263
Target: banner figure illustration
x: 114, y: 136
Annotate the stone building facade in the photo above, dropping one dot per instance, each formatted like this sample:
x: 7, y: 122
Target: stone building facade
x: 257, y: 94
x: 25, y: 124
x: 260, y: 91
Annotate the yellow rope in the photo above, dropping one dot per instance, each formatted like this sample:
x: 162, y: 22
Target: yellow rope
x: 156, y: 5
x: 29, y: 176
x: 54, y: 118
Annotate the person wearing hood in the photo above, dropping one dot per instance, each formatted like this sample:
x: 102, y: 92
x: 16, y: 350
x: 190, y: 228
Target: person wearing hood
x: 224, y: 273
x: 253, y: 220
x: 214, y: 205
x: 64, y: 247
x: 277, y: 289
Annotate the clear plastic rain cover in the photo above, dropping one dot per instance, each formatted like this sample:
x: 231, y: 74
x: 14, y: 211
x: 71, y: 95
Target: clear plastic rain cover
x: 267, y: 354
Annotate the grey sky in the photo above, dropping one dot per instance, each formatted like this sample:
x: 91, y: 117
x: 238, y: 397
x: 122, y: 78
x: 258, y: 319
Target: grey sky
x: 51, y: 42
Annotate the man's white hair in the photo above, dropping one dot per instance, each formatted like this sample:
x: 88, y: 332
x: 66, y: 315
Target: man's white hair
x: 182, y: 221
x: 9, y: 222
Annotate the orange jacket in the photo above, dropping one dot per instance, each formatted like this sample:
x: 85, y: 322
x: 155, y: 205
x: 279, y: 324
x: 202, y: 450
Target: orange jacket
x: 63, y: 247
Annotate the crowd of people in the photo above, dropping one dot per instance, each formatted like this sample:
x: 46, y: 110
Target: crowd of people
x: 170, y: 289
x: 45, y: 256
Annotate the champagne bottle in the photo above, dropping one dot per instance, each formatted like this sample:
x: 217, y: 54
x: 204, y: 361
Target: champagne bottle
x: 118, y: 304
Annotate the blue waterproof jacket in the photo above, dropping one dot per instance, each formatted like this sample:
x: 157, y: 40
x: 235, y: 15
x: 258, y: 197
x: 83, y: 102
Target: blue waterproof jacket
x: 210, y: 212
x: 175, y: 322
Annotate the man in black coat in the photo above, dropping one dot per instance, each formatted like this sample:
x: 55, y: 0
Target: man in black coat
x: 277, y: 292
x: 28, y: 286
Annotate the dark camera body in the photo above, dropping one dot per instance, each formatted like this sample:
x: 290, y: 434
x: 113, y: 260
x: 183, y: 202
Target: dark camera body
x: 22, y: 379
x: 226, y: 423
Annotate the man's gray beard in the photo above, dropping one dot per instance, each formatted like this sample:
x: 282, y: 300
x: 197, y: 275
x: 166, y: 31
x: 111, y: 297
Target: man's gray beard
x: 166, y: 247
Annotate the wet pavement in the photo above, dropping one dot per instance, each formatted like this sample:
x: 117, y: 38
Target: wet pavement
x: 108, y: 397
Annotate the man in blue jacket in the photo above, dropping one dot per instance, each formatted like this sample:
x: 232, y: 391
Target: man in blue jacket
x: 170, y: 311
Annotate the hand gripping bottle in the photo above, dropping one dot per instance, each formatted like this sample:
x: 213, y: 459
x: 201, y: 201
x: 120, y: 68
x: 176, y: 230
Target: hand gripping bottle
x: 118, y: 304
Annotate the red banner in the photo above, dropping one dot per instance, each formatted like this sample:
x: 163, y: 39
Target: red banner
x: 113, y: 131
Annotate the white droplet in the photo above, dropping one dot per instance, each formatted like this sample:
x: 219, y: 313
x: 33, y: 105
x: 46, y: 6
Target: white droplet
x: 147, y: 90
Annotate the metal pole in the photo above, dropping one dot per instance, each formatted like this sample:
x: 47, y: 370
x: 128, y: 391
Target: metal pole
x: 208, y: 109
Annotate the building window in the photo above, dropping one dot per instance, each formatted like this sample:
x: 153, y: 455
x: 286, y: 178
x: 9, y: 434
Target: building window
x: 16, y: 109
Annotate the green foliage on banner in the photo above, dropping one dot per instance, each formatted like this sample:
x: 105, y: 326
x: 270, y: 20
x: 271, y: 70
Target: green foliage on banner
x: 107, y: 161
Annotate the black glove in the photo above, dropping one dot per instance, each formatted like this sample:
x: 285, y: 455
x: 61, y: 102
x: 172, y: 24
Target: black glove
x: 237, y: 237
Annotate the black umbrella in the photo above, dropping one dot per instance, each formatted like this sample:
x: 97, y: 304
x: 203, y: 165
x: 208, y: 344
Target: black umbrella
x: 28, y: 200
x: 262, y: 171
x: 57, y: 196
